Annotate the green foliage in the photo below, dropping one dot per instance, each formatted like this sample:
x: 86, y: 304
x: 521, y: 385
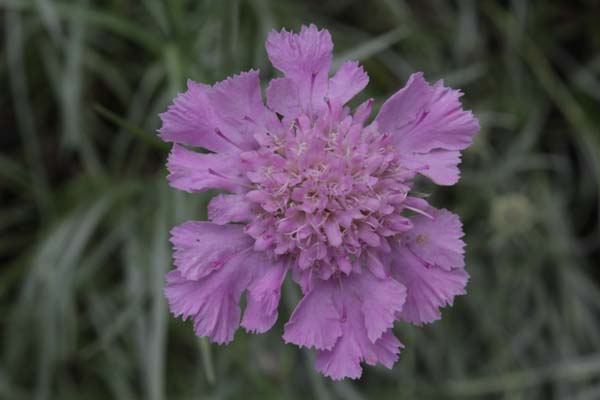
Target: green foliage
x: 85, y: 209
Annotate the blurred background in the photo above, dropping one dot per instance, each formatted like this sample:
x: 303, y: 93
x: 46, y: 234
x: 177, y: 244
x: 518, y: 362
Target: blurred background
x: 85, y: 208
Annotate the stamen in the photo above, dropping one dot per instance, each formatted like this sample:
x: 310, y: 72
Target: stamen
x: 423, y: 213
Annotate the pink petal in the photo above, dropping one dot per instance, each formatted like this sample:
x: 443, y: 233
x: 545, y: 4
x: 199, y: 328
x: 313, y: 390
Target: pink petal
x: 306, y: 53
x: 424, y: 117
x: 196, y: 172
x: 437, y: 241
x: 347, y: 320
x: 315, y: 322
x: 348, y: 81
x: 363, y: 111
x: 213, y: 301
x: 226, y: 208
x: 203, y: 247
x: 361, y: 322
x: 441, y: 166
x: 429, y: 127
x: 381, y: 299
x: 344, y: 360
x: 190, y: 121
x: 428, y: 288
x: 238, y: 107
x: 222, y: 118
x: 375, y: 265
x: 305, y: 59
x: 387, y: 349
x: 263, y: 297
x: 283, y: 97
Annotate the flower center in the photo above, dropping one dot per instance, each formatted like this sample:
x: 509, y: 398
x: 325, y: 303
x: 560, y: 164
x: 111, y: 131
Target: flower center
x: 326, y: 195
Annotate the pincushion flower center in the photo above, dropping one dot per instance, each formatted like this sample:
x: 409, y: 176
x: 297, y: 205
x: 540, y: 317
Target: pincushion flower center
x: 326, y: 195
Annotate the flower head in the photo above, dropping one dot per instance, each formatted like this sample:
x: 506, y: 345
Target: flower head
x: 316, y: 191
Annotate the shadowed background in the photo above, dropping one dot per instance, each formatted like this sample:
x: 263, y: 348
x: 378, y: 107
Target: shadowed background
x: 85, y: 208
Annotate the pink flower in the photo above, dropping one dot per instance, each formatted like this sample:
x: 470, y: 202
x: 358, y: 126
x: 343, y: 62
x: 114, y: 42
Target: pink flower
x: 317, y: 192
